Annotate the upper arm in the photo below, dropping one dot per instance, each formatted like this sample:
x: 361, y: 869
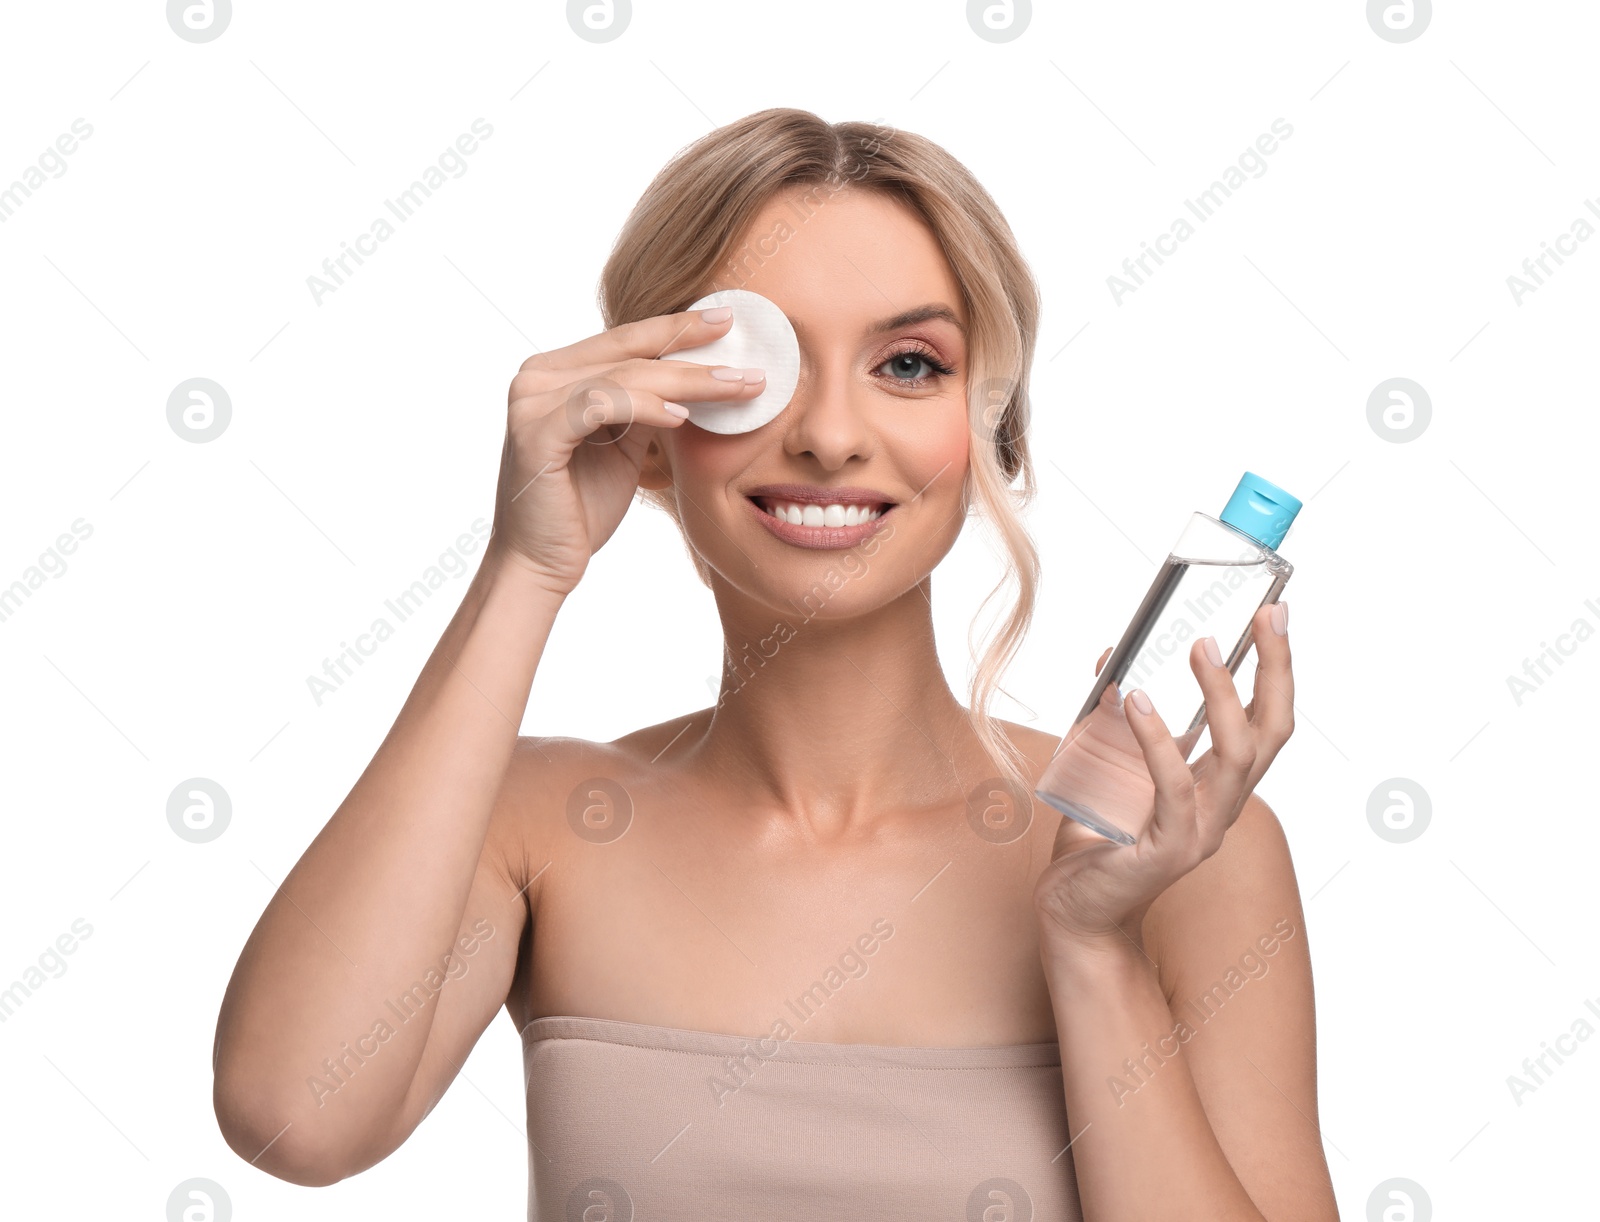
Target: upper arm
x: 471, y: 987
x: 1229, y: 941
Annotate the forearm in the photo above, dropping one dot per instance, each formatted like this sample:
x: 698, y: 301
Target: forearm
x: 378, y: 896
x: 1142, y: 1145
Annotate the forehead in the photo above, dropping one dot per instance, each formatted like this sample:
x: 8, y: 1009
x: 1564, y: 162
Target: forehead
x: 834, y: 261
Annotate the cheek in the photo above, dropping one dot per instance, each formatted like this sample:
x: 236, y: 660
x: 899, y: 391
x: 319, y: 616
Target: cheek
x: 700, y: 459
x: 696, y: 450
x: 945, y: 450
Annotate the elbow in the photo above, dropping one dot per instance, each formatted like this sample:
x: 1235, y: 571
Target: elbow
x: 284, y: 1127
x: 277, y: 1139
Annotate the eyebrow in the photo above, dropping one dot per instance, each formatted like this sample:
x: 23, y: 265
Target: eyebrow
x: 908, y: 318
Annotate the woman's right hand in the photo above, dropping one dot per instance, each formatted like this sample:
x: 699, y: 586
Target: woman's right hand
x: 579, y: 420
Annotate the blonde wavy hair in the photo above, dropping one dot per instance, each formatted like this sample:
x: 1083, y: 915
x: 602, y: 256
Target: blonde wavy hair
x: 682, y: 233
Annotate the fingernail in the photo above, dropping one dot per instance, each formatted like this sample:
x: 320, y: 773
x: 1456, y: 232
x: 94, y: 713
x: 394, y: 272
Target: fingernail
x: 1280, y: 618
x: 755, y: 375
x: 675, y: 409
x: 1141, y: 701
x: 720, y: 314
x: 726, y: 373
x: 1212, y: 651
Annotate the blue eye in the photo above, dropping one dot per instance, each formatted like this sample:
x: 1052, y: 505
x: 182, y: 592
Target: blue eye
x: 906, y: 361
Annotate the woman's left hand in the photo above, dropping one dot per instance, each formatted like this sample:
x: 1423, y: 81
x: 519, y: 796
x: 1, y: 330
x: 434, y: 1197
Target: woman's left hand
x: 1095, y: 892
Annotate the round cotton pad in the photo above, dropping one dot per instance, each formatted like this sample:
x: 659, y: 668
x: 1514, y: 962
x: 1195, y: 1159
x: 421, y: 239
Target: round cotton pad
x: 759, y: 337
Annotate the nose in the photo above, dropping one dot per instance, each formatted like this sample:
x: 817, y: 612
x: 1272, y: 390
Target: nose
x: 827, y: 418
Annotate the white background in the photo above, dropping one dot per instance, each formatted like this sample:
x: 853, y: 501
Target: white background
x: 366, y: 434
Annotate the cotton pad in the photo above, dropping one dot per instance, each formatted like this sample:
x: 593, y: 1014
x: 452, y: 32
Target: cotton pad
x: 759, y: 337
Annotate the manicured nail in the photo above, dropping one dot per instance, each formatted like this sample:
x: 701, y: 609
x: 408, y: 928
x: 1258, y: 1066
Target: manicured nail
x: 675, y: 409
x: 720, y: 314
x: 1280, y: 618
x: 727, y: 373
x: 755, y: 375
x: 1212, y: 652
x: 1141, y: 701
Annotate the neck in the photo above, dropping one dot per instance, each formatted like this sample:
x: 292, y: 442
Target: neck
x: 833, y: 722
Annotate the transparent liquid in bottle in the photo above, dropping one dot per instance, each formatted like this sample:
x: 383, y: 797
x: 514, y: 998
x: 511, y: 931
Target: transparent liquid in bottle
x: 1212, y: 584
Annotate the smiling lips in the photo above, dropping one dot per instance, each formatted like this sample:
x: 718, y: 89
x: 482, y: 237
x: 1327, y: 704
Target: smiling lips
x: 807, y: 522
x: 812, y: 513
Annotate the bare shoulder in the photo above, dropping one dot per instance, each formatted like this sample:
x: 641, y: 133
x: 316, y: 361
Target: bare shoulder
x: 1250, y: 876
x: 548, y: 775
x: 1243, y: 891
x: 531, y: 805
x: 1037, y: 745
x: 544, y: 769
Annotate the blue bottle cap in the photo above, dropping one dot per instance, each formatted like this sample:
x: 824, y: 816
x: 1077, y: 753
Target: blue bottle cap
x: 1261, y: 509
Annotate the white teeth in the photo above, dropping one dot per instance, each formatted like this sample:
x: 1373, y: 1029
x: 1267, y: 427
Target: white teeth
x: 823, y: 515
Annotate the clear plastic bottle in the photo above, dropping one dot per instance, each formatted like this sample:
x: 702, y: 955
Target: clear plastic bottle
x: 1219, y: 573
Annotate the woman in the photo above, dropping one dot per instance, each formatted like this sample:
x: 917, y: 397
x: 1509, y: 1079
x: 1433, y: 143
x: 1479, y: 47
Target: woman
x: 772, y: 959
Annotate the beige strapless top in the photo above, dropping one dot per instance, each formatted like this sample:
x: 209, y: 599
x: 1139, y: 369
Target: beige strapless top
x: 629, y: 1122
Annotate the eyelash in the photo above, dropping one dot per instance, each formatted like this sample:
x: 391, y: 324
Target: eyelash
x: 930, y: 357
